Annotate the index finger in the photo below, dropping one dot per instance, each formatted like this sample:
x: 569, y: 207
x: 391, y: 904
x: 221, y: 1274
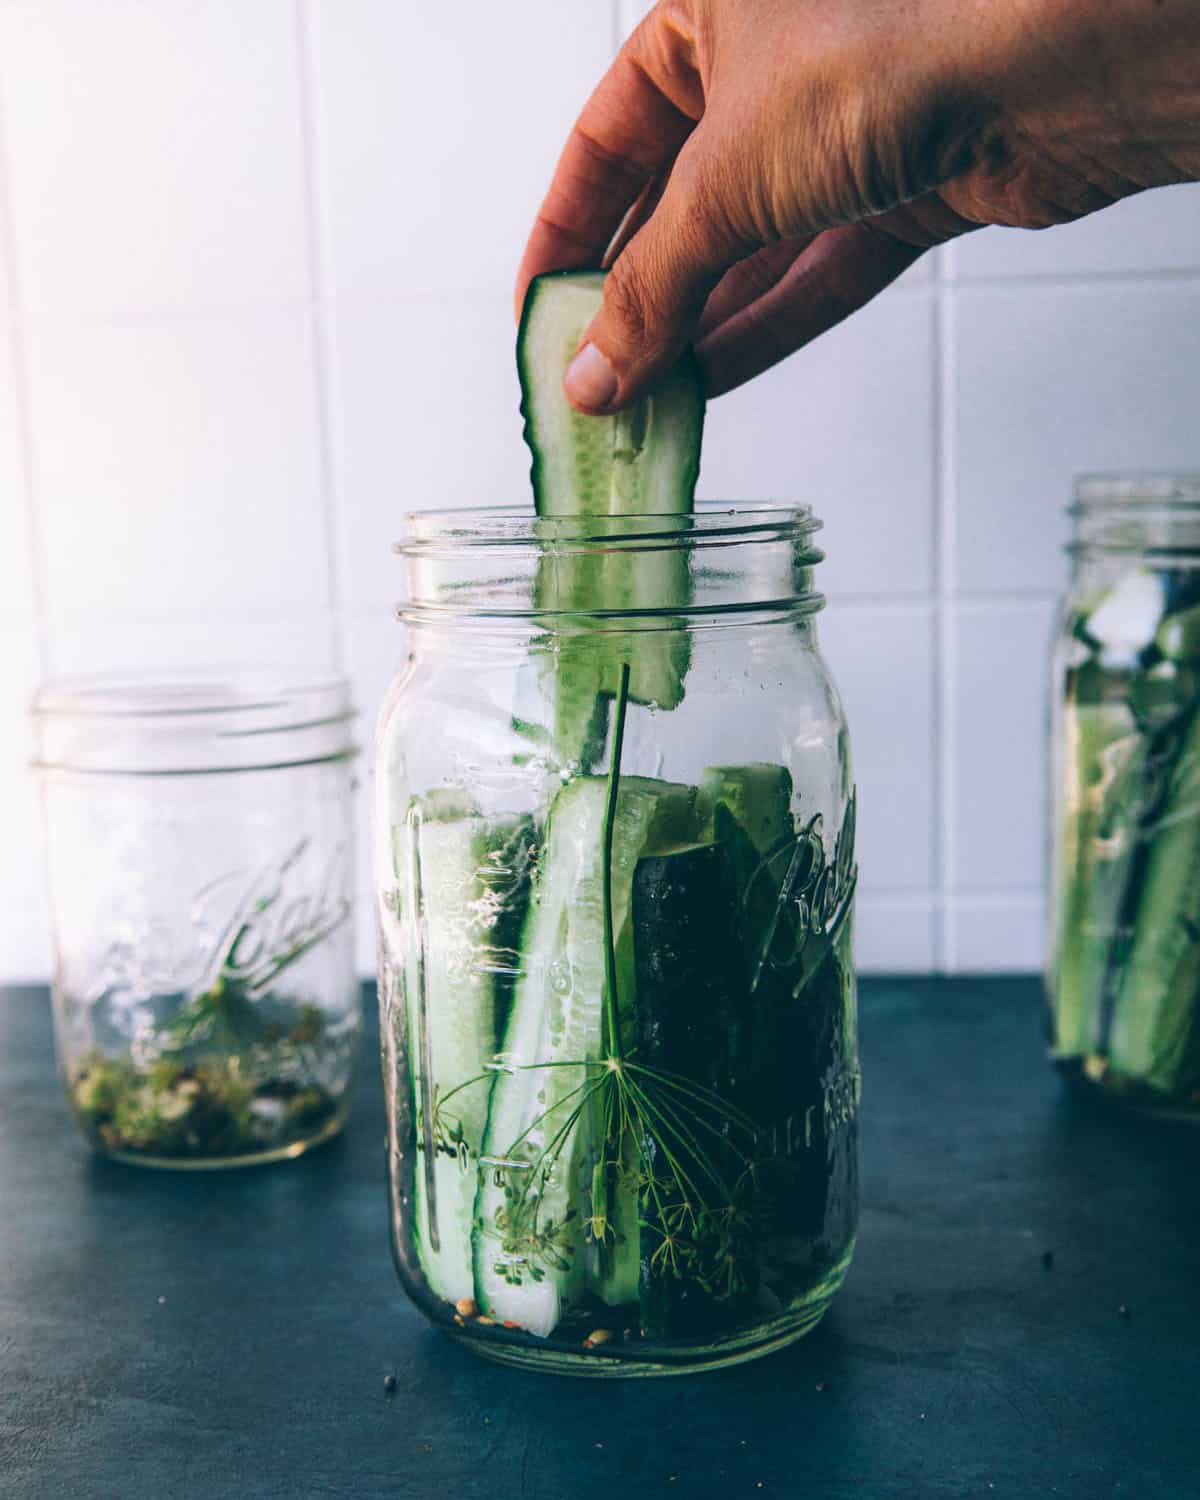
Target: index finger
x: 630, y: 131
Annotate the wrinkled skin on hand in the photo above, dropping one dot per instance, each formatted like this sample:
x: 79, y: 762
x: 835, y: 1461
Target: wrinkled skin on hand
x: 767, y: 166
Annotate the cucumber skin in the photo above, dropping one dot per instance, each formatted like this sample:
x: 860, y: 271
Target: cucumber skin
x: 801, y: 1081
x: 1156, y: 1020
x: 562, y: 960
x: 776, y: 1039
x: 691, y: 1010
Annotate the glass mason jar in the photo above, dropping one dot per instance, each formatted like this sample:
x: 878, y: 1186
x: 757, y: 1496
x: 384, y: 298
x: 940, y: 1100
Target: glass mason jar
x: 1123, y: 978
x: 615, y: 881
x: 199, y: 835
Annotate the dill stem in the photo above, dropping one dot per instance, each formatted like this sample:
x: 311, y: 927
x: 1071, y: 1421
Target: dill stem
x: 611, y: 1002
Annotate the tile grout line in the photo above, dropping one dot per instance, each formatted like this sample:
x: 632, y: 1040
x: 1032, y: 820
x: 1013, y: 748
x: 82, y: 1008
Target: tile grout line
x: 935, y: 605
x: 36, y: 556
x: 946, y: 648
x: 320, y: 317
x: 139, y: 314
x: 981, y: 896
x: 1074, y: 280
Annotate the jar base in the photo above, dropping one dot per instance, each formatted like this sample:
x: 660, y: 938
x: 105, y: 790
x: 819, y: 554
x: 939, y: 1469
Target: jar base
x: 756, y: 1343
x: 1128, y: 1100
x: 329, y: 1128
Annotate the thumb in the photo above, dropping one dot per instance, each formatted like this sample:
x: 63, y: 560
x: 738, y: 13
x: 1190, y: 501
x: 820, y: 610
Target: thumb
x: 657, y: 288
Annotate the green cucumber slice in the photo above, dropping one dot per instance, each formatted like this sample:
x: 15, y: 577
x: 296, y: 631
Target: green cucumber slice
x: 539, y: 1147
x: 1099, y: 755
x: 758, y: 796
x: 643, y: 461
x: 1156, y: 1019
x: 467, y: 881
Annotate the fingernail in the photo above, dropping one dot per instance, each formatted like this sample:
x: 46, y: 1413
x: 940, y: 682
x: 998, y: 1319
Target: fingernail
x: 590, y: 379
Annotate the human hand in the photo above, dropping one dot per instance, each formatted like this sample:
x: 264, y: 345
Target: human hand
x: 770, y: 165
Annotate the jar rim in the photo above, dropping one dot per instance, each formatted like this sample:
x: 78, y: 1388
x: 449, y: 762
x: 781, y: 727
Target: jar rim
x: 154, y: 694
x: 222, y: 718
x: 1134, y: 489
x: 710, y: 523
x: 488, y: 566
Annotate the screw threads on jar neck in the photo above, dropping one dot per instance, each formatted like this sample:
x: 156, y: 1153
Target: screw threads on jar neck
x: 493, y: 565
x: 1153, y: 515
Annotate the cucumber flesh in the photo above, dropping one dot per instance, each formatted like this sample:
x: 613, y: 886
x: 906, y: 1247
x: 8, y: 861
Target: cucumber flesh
x: 758, y: 796
x: 1099, y: 742
x: 466, y: 884
x: 538, y: 1157
x: 641, y: 462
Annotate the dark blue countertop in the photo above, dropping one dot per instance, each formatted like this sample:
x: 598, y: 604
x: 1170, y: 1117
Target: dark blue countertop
x: 187, y: 1337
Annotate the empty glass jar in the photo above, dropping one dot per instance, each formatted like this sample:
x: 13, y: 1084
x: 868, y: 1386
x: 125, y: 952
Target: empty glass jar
x: 1124, y: 975
x: 199, y: 833
x: 615, y: 882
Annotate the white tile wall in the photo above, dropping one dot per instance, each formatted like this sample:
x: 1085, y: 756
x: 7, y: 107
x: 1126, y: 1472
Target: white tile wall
x: 154, y: 153
x: 24, y: 920
x: 882, y: 659
x: 1152, y: 232
x: 16, y: 555
x: 1052, y: 380
x: 413, y: 376
x: 847, y: 427
x: 254, y: 305
x: 199, y: 436
x: 997, y: 744
x: 438, y: 130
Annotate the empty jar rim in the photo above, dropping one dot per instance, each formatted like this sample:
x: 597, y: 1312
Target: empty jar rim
x: 193, y: 722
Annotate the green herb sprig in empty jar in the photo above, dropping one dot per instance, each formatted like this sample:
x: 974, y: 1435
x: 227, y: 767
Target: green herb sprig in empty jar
x: 1123, y: 980
x: 615, y: 883
x: 199, y: 831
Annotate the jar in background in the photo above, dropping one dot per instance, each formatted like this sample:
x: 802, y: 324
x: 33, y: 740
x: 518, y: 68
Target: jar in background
x: 199, y: 834
x: 615, y: 880
x: 1123, y: 979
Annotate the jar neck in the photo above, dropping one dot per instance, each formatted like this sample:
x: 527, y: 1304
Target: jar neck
x: 187, y: 723
x: 457, y: 642
x: 499, y: 570
x: 1120, y: 522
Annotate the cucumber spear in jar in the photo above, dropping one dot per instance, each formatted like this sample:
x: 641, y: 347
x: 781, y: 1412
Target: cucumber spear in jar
x: 640, y: 462
x: 1127, y: 972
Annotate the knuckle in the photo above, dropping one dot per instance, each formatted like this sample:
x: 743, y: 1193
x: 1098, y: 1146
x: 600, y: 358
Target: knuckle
x: 702, y: 198
x: 626, y: 300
